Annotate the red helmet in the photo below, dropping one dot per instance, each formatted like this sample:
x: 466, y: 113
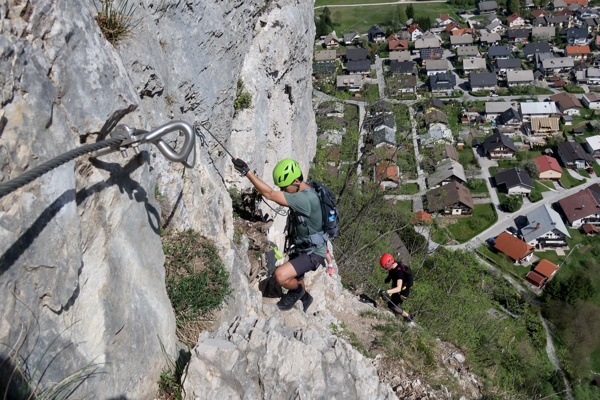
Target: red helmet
x: 386, y: 260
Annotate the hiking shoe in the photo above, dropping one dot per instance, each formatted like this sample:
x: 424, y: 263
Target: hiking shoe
x: 306, y: 300
x: 290, y: 298
x: 330, y: 269
x: 410, y: 318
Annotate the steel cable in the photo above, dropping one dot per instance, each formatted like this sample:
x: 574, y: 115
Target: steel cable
x: 36, y: 172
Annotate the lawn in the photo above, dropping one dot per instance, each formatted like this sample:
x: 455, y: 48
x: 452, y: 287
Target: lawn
x: 596, y: 167
x: 483, y: 217
x: 584, y: 173
x: 567, y: 181
x: 549, y: 255
x: 548, y: 184
x: 540, y: 187
x: 362, y: 18
x: 576, y: 237
x: 405, y: 206
x: 408, y: 188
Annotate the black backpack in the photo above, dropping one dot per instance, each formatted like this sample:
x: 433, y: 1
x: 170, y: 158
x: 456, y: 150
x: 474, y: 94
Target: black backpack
x: 330, y: 213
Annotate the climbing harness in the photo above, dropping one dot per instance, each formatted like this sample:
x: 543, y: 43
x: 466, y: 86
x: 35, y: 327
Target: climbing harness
x: 122, y: 138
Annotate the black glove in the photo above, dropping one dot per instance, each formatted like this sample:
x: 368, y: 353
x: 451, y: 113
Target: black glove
x: 382, y: 293
x: 240, y: 165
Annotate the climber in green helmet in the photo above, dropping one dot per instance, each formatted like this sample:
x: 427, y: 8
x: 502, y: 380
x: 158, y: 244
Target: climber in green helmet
x: 306, y: 221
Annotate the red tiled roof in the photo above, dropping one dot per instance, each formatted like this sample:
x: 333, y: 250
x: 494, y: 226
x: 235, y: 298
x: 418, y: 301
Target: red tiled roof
x: 385, y: 171
x: 582, y: 3
x: 512, y: 247
x: 546, y: 268
x: 538, y: 13
x: 589, y: 228
x: 413, y: 28
x: 579, y: 205
x: 451, y: 26
x: 576, y: 50
x: 547, y: 163
x: 535, y: 278
x: 461, y: 31
x: 422, y: 216
x: 513, y: 17
x: 564, y: 12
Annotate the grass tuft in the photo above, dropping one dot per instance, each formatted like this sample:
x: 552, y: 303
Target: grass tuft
x: 116, y: 19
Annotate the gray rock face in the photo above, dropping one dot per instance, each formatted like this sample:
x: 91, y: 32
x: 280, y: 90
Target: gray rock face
x: 80, y: 253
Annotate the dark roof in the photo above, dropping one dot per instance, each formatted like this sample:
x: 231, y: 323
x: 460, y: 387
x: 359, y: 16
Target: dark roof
x: 402, y: 66
x: 513, y: 177
x: 576, y: 33
x: 375, y: 30
x: 356, y: 54
x: 442, y: 80
x: 432, y: 53
x: 537, y: 47
x: 499, y: 51
x: 437, y: 103
x: 579, y: 205
x: 482, y: 79
x: 508, y: 63
x: 509, y: 115
x: 447, y: 195
x: 435, y: 116
x: 496, y: 140
x: 359, y: 66
x: 487, y: 5
x: 573, y: 151
x: 518, y: 33
x: 595, y: 190
x: 324, y: 68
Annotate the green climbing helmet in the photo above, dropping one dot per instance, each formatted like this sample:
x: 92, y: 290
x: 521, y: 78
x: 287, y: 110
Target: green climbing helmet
x: 285, y: 172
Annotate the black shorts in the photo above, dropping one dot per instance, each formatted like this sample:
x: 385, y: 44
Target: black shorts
x: 304, y: 262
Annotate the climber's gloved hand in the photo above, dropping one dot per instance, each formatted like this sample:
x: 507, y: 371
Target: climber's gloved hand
x: 240, y: 165
x: 383, y: 293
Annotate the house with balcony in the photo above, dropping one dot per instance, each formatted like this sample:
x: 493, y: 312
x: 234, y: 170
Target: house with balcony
x: 574, y: 156
x: 499, y: 146
x: 589, y: 76
x: 352, y: 38
x: 452, y: 199
x: 515, y: 20
x: 376, y: 34
x: 582, y: 207
x: 415, y: 32
x: 501, y: 66
x: 545, y: 228
x: 577, y: 36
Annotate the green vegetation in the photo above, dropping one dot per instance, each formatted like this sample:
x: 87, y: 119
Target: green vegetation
x: 484, y: 216
x: 197, y: 281
x: 116, y: 19
x: 362, y: 18
x: 572, y: 88
x: 343, y: 332
x: 408, y: 188
x: 542, y: 186
x: 510, y: 203
x: 528, y: 90
x: 477, y: 186
x: 567, y: 181
x: 243, y: 99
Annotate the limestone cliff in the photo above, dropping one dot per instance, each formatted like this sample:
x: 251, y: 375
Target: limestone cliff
x: 82, y: 281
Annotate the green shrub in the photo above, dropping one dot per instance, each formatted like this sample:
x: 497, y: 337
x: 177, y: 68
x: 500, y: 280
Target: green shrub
x: 243, y: 99
x: 197, y: 281
x: 535, y: 196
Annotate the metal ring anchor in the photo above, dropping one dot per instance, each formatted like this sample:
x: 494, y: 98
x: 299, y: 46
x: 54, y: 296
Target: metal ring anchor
x: 187, y: 148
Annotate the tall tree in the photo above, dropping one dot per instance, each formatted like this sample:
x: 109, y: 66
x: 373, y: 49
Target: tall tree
x: 326, y: 15
x: 513, y: 6
x: 410, y: 11
x: 401, y: 12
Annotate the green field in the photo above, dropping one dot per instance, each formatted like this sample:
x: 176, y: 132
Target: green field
x: 567, y: 181
x: 361, y: 18
x: 484, y: 216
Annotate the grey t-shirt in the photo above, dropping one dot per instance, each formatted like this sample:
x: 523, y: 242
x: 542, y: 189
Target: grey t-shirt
x: 306, y: 204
